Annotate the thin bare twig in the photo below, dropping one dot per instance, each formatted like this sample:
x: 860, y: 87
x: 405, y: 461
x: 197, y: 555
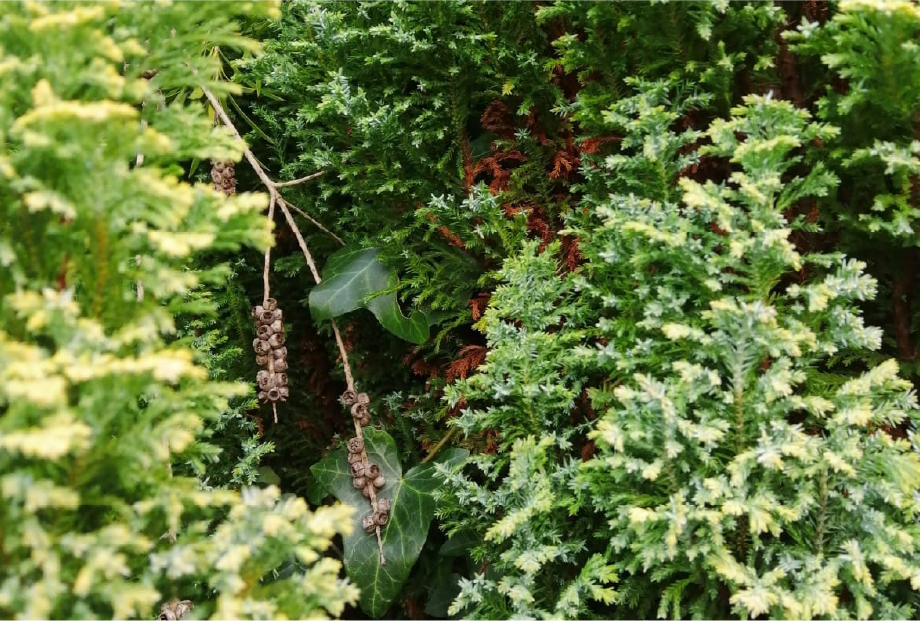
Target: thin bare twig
x: 439, y: 445
x: 276, y: 199
x: 284, y: 184
x: 268, y: 253
x: 315, y: 223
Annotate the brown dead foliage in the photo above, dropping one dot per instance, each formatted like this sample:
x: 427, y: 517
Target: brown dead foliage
x: 467, y: 360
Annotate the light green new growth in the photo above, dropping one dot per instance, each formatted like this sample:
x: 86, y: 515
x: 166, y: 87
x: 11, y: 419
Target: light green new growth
x: 96, y: 400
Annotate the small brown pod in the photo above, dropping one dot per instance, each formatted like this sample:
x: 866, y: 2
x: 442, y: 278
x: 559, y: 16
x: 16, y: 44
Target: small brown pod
x: 383, y: 504
x: 277, y: 315
x: 274, y: 394
x: 369, y: 522
x: 262, y: 360
x: 357, y: 469
x: 354, y: 457
x: 373, y: 471
x: 364, y: 422
x: 363, y: 399
x: 359, y: 482
x: 263, y: 396
x: 257, y: 311
x: 276, y: 340
x: 264, y: 380
x: 380, y: 482
x: 349, y: 397
x: 270, y: 304
x: 382, y: 517
x: 284, y: 393
x: 355, y: 445
x: 277, y: 327
x: 280, y: 366
x: 280, y: 379
x: 359, y: 410
x: 264, y: 332
x: 279, y: 353
x: 261, y: 347
x: 266, y: 317
x: 368, y: 489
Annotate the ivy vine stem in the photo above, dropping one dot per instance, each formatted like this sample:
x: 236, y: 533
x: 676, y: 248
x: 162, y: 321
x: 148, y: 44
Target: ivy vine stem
x: 275, y: 199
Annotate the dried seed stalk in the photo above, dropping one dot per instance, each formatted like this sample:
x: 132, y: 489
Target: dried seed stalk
x: 276, y: 199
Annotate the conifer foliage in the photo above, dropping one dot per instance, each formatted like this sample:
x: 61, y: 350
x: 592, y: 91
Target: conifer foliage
x: 724, y: 461
x: 97, y: 399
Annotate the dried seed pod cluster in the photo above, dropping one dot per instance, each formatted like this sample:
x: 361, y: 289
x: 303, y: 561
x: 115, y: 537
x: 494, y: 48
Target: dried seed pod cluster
x: 270, y: 352
x: 380, y: 517
x: 175, y: 610
x: 359, y: 406
x: 364, y: 476
x: 224, y: 176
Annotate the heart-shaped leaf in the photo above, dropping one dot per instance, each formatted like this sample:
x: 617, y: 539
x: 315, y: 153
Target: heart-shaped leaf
x: 412, y: 509
x: 413, y: 328
x: 350, y: 277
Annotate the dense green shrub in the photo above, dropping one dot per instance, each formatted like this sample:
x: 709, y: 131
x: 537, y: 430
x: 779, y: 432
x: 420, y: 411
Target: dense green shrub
x: 647, y: 243
x: 729, y: 469
x: 97, y: 398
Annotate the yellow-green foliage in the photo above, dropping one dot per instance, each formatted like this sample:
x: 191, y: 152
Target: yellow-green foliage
x: 96, y: 403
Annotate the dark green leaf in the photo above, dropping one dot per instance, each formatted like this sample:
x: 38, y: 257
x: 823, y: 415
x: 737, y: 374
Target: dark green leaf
x: 444, y: 593
x: 413, y: 328
x: 459, y: 544
x: 404, y: 535
x: 349, y: 277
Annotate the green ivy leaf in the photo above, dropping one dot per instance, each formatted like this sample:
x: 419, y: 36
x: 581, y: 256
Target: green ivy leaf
x: 413, y: 328
x: 350, y: 277
x: 403, y: 537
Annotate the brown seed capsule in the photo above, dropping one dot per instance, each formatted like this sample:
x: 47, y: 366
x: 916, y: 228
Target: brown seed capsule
x: 262, y: 360
x: 281, y: 379
x: 257, y: 311
x: 280, y: 366
x: 380, y: 482
x: 357, y: 469
x: 359, y: 410
x: 355, y: 445
x: 277, y: 327
x: 353, y: 457
x: 373, y: 471
x: 359, y: 482
x: 363, y: 399
x: 280, y: 353
x: 383, y: 504
x: 274, y: 394
x: 270, y: 304
x: 266, y: 317
x: 261, y: 347
x: 264, y: 332
x: 176, y: 610
x: 364, y: 422
x: 382, y: 517
x: 349, y: 397
x: 263, y: 379
x: 276, y: 340
x: 263, y: 396
x: 366, y: 492
x: 277, y: 315
x: 284, y: 393
x: 369, y: 522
